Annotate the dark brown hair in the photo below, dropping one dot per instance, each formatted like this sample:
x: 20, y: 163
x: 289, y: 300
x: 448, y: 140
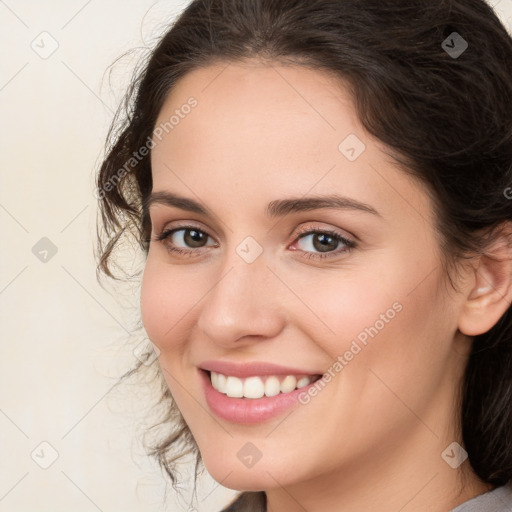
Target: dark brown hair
x: 446, y: 118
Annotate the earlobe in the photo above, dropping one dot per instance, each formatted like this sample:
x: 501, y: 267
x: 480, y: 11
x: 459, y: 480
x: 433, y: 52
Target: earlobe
x: 491, y: 293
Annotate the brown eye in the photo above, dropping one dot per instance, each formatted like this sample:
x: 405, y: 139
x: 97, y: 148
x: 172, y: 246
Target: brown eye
x: 321, y: 243
x: 184, y: 240
x: 324, y: 243
x: 193, y: 237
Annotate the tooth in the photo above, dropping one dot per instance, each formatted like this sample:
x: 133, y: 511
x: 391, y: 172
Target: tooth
x: 303, y: 382
x: 288, y: 384
x: 254, y: 387
x: 221, y: 383
x: 272, y: 386
x: 214, y: 378
x: 234, y: 387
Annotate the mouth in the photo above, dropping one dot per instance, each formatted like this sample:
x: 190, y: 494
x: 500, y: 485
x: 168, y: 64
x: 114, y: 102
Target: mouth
x: 253, y: 398
x: 256, y: 386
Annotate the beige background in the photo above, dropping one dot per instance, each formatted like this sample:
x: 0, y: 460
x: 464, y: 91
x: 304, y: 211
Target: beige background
x: 63, y: 336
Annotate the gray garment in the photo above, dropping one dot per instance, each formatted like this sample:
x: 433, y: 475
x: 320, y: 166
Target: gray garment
x: 497, y: 500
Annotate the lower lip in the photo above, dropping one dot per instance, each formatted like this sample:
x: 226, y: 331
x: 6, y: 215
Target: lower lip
x: 248, y: 410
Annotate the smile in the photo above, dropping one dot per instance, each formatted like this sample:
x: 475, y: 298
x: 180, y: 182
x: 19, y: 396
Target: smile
x: 259, y: 386
x: 253, y: 393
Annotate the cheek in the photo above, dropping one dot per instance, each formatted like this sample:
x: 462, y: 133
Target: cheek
x: 166, y: 298
x: 401, y: 360
x: 393, y: 323
x: 343, y: 307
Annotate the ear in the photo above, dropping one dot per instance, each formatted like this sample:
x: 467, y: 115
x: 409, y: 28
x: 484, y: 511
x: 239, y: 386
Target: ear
x: 490, y: 293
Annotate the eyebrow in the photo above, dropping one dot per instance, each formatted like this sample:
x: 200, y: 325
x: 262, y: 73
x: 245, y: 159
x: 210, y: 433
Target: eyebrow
x: 276, y: 208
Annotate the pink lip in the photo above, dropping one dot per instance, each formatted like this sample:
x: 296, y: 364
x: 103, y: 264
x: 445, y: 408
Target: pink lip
x: 248, y: 410
x: 252, y: 369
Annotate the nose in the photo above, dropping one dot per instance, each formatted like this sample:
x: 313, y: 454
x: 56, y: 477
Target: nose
x: 243, y: 304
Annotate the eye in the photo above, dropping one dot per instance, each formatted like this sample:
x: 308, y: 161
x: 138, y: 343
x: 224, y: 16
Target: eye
x: 325, y: 241
x: 189, y: 237
x: 314, y: 243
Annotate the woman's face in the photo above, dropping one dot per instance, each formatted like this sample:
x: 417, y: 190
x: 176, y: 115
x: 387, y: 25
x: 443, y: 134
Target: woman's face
x: 256, y: 287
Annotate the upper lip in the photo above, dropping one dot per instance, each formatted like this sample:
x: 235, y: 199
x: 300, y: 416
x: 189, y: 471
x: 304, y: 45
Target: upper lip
x: 252, y: 369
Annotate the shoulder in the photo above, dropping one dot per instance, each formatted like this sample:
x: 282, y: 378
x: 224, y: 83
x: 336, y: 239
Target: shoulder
x: 248, y: 502
x: 497, y: 500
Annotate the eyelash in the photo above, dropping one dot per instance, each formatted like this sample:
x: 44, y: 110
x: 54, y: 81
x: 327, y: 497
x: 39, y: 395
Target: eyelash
x: 349, y: 244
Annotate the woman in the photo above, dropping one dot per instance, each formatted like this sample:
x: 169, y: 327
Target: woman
x: 322, y: 191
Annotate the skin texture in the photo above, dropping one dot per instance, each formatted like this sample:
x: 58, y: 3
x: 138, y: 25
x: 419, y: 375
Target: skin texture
x: 373, y: 438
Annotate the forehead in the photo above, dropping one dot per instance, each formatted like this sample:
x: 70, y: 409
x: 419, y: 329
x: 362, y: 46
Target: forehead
x: 271, y: 127
x: 254, y: 113
x: 265, y: 97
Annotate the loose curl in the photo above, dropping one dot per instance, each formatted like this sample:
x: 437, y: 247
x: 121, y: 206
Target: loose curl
x: 446, y: 120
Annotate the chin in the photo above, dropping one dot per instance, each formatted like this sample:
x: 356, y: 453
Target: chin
x: 239, y: 483
x: 261, y: 476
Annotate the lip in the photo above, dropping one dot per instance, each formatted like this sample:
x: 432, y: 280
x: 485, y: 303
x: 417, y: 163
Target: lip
x: 253, y: 369
x: 248, y: 410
